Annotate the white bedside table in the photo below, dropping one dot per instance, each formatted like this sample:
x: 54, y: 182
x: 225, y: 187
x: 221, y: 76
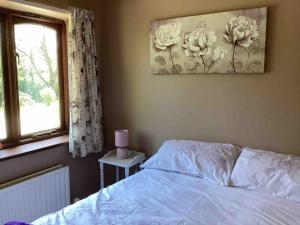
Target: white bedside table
x: 110, y: 158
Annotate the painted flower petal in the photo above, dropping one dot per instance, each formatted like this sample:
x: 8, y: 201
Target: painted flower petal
x: 167, y: 35
x: 245, y: 43
x: 227, y: 38
x: 241, y: 30
x: 197, y: 43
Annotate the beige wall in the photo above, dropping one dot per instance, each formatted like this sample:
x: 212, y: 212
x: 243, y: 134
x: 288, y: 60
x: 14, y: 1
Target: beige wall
x: 65, y: 3
x: 261, y: 111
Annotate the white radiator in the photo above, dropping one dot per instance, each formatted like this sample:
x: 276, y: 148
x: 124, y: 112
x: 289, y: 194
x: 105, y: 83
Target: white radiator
x: 36, y: 195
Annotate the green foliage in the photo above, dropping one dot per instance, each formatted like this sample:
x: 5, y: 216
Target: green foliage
x: 28, y: 86
x: 32, y: 84
x: 48, y: 95
x: 32, y: 81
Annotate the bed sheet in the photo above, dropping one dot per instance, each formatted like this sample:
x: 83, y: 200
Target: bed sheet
x: 154, y: 197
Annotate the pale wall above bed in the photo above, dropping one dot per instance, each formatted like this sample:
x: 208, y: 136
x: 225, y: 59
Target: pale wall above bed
x: 261, y: 111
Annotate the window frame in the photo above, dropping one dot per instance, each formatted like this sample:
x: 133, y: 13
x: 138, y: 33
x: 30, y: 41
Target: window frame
x: 10, y: 77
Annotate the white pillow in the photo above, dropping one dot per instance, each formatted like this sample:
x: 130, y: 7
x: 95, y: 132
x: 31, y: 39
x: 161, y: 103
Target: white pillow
x: 268, y: 172
x: 211, y: 161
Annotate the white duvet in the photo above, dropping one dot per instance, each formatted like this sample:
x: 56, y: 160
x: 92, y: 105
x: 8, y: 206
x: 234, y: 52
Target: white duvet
x: 153, y: 197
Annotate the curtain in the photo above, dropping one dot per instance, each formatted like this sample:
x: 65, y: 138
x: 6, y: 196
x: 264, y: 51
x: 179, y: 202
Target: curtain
x: 86, y: 134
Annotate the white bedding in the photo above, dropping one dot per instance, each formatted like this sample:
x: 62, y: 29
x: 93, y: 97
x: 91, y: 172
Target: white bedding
x: 153, y: 197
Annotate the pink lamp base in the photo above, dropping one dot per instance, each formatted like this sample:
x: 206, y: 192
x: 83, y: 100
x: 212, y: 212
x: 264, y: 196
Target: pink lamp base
x: 122, y: 153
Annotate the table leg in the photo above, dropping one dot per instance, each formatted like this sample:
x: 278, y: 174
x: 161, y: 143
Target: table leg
x: 101, y: 175
x: 117, y: 174
x: 126, y: 172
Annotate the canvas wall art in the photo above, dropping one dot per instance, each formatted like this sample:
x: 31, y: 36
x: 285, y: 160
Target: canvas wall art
x: 227, y: 42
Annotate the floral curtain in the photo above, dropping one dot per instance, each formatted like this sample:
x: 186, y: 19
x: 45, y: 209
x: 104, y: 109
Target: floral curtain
x: 86, y: 135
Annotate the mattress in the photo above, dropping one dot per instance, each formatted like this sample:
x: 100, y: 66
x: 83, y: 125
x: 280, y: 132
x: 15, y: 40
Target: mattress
x: 154, y: 197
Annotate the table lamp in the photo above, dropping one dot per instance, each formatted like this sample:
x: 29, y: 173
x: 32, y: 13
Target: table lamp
x: 121, y: 142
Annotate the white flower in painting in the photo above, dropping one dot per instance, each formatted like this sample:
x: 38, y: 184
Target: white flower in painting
x: 241, y: 31
x: 167, y: 35
x: 219, y: 53
x: 198, y: 43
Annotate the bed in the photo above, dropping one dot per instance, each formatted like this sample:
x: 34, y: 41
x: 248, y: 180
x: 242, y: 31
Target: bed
x: 196, y: 183
x: 155, y: 197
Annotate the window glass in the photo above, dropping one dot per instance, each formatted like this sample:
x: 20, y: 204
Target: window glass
x: 38, y: 77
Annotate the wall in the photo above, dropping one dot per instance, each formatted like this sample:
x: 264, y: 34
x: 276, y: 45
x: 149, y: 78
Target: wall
x: 64, y: 4
x: 261, y: 111
x: 84, y: 173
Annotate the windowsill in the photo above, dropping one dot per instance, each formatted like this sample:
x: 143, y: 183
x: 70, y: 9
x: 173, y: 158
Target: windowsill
x: 26, y: 149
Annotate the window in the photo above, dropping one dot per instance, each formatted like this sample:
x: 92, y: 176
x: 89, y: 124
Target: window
x: 32, y: 77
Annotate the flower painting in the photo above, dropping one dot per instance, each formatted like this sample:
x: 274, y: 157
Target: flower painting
x: 226, y: 43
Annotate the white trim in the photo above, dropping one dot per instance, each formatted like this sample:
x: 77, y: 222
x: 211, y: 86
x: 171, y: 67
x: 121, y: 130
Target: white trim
x: 37, y: 8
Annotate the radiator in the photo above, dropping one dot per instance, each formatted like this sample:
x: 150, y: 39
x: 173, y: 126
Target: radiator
x: 33, y: 196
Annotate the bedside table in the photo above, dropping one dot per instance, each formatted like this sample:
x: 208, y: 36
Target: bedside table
x: 110, y: 158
